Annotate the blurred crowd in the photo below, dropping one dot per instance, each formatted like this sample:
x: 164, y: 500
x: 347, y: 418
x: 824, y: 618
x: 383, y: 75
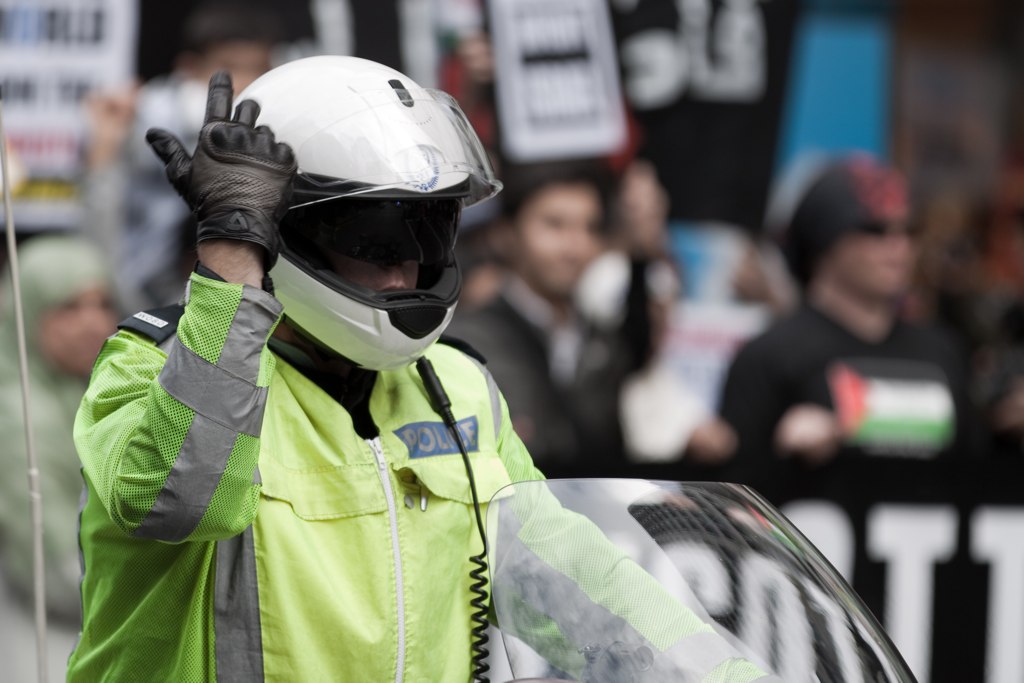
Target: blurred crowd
x: 891, y: 324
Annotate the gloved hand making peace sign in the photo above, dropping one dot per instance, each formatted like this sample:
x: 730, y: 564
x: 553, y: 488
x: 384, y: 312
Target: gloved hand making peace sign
x: 239, y: 180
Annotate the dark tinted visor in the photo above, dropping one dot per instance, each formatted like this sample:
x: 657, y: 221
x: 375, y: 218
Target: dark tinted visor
x: 384, y: 231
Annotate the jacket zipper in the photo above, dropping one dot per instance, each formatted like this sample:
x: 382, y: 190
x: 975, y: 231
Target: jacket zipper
x: 385, y: 481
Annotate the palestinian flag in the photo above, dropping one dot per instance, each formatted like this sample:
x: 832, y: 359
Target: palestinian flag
x: 893, y: 407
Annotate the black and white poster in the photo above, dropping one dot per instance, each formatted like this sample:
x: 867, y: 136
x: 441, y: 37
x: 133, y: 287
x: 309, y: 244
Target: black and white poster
x: 556, y: 79
x: 52, y: 52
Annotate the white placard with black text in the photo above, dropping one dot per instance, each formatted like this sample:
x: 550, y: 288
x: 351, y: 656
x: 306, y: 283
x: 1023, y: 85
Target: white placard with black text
x: 51, y: 53
x: 556, y: 78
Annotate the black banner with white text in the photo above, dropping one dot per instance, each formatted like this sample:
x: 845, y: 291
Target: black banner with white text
x: 706, y: 80
x: 935, y: 550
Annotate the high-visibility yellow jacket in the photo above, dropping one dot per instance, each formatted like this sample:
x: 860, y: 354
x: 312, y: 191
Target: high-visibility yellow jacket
x: 236, y: 528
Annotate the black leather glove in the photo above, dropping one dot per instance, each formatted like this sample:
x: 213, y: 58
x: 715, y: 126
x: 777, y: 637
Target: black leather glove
x: 239, y: 180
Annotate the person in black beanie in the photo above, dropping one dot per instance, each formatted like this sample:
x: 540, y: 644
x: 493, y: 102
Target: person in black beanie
x: 844, y: 375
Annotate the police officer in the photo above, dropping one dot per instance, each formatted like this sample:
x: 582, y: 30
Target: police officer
x: 275, y: 489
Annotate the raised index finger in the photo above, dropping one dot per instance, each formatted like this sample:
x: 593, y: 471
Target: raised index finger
x: 218, y: 98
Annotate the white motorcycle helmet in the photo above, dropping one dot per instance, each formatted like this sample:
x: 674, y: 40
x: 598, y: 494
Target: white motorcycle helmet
x: 384, y: 169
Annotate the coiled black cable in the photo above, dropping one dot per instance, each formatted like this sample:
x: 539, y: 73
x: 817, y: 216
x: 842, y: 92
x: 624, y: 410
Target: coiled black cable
x: 478, y: 616
x: 479, y: 603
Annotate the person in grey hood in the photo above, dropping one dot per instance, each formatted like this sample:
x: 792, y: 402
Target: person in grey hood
x: 68, y: 314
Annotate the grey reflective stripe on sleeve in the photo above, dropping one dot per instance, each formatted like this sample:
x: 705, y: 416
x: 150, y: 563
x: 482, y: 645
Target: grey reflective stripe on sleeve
x: 167, y: 344
x: 247, y: 335
x: 226, y: 402
x: 83, y: 500
x: 213, y: 392
x: 492, y: 389
x: 182, y: 502
x: 238, y: 639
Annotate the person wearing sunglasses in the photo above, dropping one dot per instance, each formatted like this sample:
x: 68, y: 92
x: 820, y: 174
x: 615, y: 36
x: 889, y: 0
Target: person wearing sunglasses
x: 845, y: 375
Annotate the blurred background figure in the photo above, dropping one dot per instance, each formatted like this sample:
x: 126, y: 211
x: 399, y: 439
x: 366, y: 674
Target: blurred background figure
x: 949, y: 280
x: 845, y: 374
x: 480, y: 250
x: 467, y: 71
x: 662, y: 419
x: 992, y: 314
x: 761, y: 278
x: 131, y: 210
x: 68, y: 314
x: 561, y: 372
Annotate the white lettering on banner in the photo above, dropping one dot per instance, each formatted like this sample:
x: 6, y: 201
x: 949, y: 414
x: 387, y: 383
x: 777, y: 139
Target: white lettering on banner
x: 827, y: 526
x: 705, y: 574
x: 997, y: 537
x: 844, y: 646
x: 770, y: 600
x: 911, y: 539
x: 656, y: 70
x: 773, y: 607
x: 662, y: 65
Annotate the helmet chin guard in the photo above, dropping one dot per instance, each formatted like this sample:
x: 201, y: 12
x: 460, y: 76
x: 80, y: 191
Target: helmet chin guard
x: 367, y: 138
x: 383, y: 335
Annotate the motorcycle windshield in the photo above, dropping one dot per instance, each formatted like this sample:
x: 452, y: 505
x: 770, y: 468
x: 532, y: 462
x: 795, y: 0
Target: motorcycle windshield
x: 601, y: 580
